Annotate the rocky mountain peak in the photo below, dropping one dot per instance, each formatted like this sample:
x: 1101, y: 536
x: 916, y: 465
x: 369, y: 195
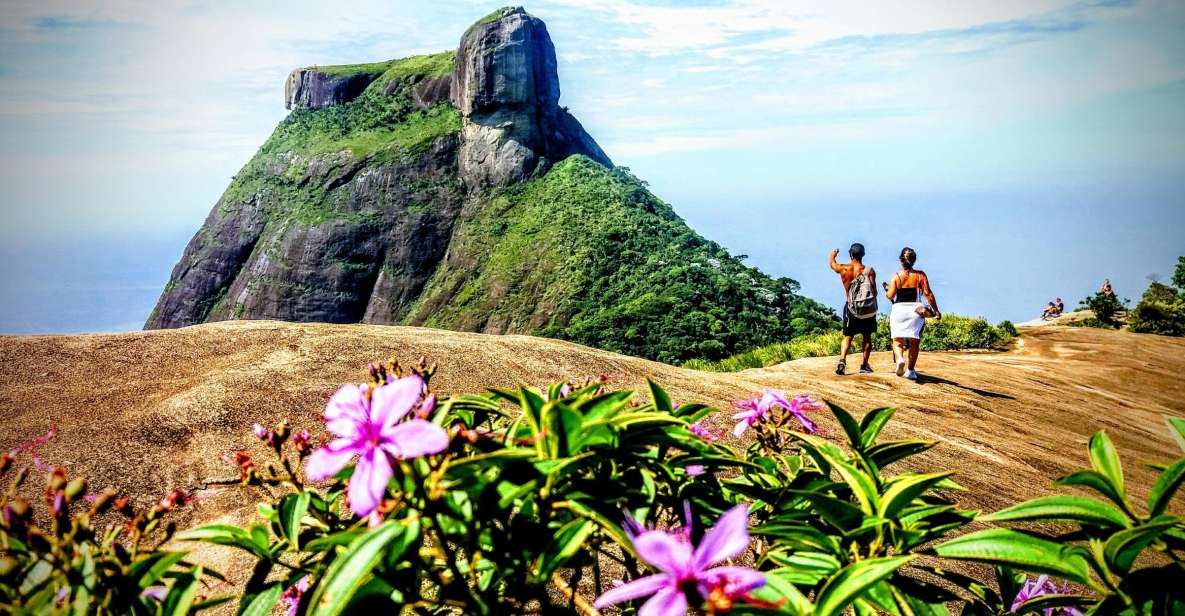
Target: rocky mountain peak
x: 507, y: 87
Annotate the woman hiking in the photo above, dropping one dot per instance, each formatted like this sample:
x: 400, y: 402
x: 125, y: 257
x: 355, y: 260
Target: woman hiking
x: 907, y: 319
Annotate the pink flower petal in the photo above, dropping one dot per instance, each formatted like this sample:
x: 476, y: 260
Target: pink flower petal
x: 734, y: 581
x: 727, y: 538
x: 740, y: 427
x: 389, y: 403
x: 666, y: 602
x: 414, y: 438
x: 327, y: 461
x: 641, y: 587
x: 369, y: 482
x: 668, y: 552
x: 346, y: 411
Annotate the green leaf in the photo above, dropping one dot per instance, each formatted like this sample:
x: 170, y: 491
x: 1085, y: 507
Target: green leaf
x: 851, y: 581
x: 345, y: 537
x: 611, y: 529
x: 292, y: 511
x: 1177, y: 429
x: 778, y: 590
x: 1010, y: 548
x: 1098, y: 482
x: 903, y: 489
x: 152, y: 567
x: 885, y: 454
x: 805, y: 568
x: 181, y: 594
x: 262, y: 603
x: 349, y: 571
x: 863, y: 487
x: 662, y: 401
x: 1123, y: 547
x: 1062, y: 508
x: 1165, y: 487
x: 225, y: 534
x: 568, y: 541
x: 1105, y: 460
x: 849, y: 425
x: 872, y: 423
x: 1038, y: 605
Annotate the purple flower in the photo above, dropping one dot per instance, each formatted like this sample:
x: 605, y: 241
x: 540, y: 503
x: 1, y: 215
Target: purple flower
x: 155, y: 592
x: 695, y: 470
x: 756, y: 410
x: 699, y: 429
x: 688, y: 569
x: 260, y: 431
x: 292, y: 595
x: 1039, y: 587
x: 367, y: 422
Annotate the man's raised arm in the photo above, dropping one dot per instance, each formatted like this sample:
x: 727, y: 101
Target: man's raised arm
x: 835, y: 267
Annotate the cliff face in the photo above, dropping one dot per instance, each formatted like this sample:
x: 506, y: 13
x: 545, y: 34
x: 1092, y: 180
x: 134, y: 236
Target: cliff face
x: 508, y: 91
x: 452, y: 190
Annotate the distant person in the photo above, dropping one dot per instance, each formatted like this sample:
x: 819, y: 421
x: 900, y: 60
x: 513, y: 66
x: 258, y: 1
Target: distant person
x: 1106, y: 288
x: 1054, y: 309
x: 859, y: 310
x: 907, y: 319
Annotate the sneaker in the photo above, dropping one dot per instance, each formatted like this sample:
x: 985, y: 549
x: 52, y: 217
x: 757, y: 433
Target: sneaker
x: 901, y: 368
x: 866, y: 369
x: 912, y: 375
x: 843, y: 365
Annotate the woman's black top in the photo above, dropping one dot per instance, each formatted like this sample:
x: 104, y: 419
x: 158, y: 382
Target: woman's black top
x: 906, y: 295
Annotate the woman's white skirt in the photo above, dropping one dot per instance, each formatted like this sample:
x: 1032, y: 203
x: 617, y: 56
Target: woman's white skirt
x: 904, y: 320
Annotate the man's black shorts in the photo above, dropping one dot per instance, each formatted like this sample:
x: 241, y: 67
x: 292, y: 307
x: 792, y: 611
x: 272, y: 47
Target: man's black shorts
x: 853, y: 326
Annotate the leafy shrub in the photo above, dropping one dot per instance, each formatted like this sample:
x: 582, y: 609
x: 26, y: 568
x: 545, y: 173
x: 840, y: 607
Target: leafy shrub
x: 1106, y: 309
x: 951, y: 333
x: 518, y: 501
x: 90, y: 553
x: 1161, y: 311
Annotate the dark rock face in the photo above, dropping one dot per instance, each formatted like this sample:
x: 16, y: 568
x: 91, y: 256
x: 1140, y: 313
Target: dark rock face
x: 367, y: 264
x: 507, y: 88
x: 380, y: 228
x: 308, y: 88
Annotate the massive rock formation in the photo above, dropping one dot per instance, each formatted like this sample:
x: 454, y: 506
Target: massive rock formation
x: 434, y: 190
x: 508, y: 91
x: 310, y: 88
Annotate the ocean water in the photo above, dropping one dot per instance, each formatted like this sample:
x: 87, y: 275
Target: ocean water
x: 95, y: 284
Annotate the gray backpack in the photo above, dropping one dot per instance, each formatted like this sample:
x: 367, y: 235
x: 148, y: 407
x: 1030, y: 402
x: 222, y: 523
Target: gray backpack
x: 862, y: 297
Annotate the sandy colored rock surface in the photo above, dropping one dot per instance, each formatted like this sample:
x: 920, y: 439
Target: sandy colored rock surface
x: 150, y: 411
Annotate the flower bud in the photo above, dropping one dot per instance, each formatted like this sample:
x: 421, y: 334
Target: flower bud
x: 56, y: 480
x: 123, y: 505
x: 8, y: 564
x: 38, y: 541
x: 426, y: 407
x: 260, y: 431
x: 75, y: 488
x: 58, y: 505
x: 19, y: 478
x: 103, y: 500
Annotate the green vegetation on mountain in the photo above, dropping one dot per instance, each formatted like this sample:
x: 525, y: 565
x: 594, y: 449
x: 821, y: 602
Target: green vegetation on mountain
x: 614, y: 267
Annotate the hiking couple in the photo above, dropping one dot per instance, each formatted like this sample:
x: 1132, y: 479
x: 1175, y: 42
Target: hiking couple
x: 907, y: 318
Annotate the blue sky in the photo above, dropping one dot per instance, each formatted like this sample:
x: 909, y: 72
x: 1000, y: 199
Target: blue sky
x: 1025, y: 148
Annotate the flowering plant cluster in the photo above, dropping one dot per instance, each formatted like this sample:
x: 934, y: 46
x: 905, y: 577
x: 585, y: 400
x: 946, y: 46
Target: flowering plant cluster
x: 581, y: 499
x: 87, y: 552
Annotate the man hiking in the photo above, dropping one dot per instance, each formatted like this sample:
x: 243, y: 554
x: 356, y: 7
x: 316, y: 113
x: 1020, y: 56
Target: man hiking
x: 859, y: 311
